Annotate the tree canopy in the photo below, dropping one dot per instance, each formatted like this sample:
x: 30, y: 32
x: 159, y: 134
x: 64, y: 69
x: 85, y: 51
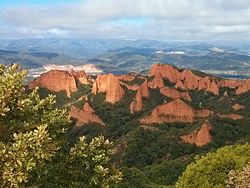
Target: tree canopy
x: 212, y: 169
x: 34, y: 149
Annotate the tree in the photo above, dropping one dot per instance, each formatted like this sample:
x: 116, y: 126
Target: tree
x: 211, y: 170
x: 33, y: 141
x: 239, y: 178
x: 86, y: 165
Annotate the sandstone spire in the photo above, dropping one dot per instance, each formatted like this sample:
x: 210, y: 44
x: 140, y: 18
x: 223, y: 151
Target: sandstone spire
x: 110, y: 85
x: 142, y: 92
x: 157, y: 82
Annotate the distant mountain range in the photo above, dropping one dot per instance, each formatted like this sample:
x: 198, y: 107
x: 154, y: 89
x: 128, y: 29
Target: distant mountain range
x: 122, y: 56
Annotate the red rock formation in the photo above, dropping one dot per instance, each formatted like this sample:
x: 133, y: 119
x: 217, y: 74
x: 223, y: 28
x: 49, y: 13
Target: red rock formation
x: 126, y: 77
x: 231, y: 116
x: 180, y: 85
x: 144, y: 89
x: 238, y: 107
x: 191, y: 81
x: 175, y: 111
x: 110, y: 85
x: 231, y: 83
x: 199, y: 137
x: 85, y: 116
x: 142, y: 92
x: 55, y: 81
x: 78, y: 74
x: 166, y: 71
x: 81, y: 76
x: 157, y: 82
x: 136, y: 105
x: 185, y: 79
x: 245, y: 87
x: 175, y: 94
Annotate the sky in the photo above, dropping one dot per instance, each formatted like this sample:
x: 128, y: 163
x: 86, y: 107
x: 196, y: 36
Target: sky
x: 185, y: 20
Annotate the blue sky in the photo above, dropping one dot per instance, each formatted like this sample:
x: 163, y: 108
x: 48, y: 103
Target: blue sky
x: 34, y: 2
x: 130, y: 19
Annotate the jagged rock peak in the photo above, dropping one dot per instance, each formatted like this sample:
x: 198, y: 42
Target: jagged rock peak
x: 199, y: 137
x: 157, y: 82
x: 85, y: 115
x: 110, y: 85
x: 56, y: 80
x: 142, y: 92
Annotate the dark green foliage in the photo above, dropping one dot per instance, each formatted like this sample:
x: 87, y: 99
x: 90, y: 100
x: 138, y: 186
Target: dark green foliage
x: 134, y: 178
x: 168, y: 171
x: 137, y: 80
x: 90, y: 131
x: 155, y: 99
x: 61, y: 97
x: 227, y: 131
x: 147, y: 147
x: 117, y: 117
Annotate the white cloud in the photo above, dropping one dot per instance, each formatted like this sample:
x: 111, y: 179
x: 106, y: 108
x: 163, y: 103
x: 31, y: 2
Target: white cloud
x: 163, y: 19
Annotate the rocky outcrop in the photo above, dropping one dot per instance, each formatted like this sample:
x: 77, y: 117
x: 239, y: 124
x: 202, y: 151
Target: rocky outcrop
x: 157, y: 82
x: 199, y: 137
x: 81, y: 76
x: 142, y: 92
x: 179, y: 84
x: 110, y: 85
x: 231, y: 83
x: 245, y: 87
x: 85, y: 115
x: 238, y: 106
x: 175, y: 111
x: 175, y: 94
x: 191, y: 81
x: 166, y: 71
x: 231, y: 116
x: 185, y: 79
x: 144, y: 89
x: 126, y: 77
x: 56, y: 81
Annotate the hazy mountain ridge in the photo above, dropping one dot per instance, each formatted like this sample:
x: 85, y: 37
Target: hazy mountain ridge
x: 123, y: 56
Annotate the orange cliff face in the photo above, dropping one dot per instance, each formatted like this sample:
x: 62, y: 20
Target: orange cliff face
x: 85, y: 115
x: 110, y: 85
x: 142, y: 92
x: 231, y: 116
x: 166, y: 71
x: 238, y: 107
x: 175, y: 94
x: 56, y: 81
x: 157, y: 82
x: 175, y: 111
x: 245, y: 87
x: 199, y: 137
x: 186, y: 79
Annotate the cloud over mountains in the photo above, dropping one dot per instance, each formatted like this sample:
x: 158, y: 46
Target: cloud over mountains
x: 157, y: 19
